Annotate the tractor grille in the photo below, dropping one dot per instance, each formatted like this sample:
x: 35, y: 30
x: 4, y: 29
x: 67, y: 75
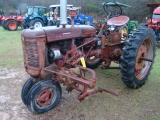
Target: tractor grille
x: 32, y: 53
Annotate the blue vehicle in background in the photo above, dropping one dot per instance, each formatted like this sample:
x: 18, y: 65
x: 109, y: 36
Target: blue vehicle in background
x: 36, y: 16
x: 78, y: 19
x: 83, y: 19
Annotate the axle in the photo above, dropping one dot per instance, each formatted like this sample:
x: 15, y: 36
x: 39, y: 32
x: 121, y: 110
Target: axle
x: 146, y: 59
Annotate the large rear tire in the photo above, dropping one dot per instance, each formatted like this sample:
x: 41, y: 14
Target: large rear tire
x: 138, y: 57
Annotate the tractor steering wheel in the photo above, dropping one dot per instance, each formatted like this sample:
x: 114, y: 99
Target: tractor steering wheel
x: 113, y: 9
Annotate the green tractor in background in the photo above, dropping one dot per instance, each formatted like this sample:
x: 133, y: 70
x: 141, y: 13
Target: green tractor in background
x: 36, y: 16
x: 130, y: 26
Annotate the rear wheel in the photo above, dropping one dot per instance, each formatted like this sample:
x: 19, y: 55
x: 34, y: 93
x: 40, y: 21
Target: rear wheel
x: 138, y: 57
x: 44, y: 96
x: 12, y: 25
x: 37, y: 23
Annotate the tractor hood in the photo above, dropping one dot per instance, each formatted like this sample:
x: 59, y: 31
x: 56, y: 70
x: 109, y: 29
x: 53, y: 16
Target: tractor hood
x: 54, y: 33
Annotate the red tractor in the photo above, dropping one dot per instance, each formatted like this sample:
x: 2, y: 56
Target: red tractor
x: 154, y: 22
x: 12, y: 22
x: 67, y: 54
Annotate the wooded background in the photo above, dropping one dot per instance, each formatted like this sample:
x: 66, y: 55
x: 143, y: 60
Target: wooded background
x: 137, y: 11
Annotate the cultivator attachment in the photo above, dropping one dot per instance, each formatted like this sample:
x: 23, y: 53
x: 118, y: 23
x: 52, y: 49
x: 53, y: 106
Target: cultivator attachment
x: 78, y: 78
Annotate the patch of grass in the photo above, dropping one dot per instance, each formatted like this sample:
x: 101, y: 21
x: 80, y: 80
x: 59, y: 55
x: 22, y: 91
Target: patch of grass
x: 10, y: 48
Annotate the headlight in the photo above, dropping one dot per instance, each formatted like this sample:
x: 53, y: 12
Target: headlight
x: 112, y: 27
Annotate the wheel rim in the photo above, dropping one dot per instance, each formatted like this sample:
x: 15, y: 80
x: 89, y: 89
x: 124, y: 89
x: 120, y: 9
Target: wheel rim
x: 145, y: 51
x: 38, y: 24
x: 46, y: 98
x: 124, y: 30
x: 12, y: 25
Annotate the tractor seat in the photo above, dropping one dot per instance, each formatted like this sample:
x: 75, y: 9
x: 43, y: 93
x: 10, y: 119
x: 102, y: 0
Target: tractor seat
x: 118, y: 21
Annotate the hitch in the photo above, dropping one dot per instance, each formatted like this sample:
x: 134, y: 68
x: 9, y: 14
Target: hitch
x: 100, y: 90
x: 108, y: 91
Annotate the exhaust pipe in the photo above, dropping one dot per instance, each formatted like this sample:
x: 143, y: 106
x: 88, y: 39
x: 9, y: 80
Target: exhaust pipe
x: 63, y: 12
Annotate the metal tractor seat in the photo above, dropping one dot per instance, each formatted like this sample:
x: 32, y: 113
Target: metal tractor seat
x: 118, y: 21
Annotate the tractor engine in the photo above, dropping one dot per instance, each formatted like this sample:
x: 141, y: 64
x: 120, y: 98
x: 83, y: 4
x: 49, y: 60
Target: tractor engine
x: 49, y: 45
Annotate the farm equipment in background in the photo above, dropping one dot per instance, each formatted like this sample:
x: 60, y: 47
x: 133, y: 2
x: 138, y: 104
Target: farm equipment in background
x: 79, y: 19
x: 36, y: 16
x: 67, y: 54
x: 12, y: 22
x: 127, y: 28
x: 154, y: 21
x: 53, y: 16
x: 132, y: 25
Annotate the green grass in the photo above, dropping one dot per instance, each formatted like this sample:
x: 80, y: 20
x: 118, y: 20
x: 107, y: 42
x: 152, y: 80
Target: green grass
x: 10, y: 48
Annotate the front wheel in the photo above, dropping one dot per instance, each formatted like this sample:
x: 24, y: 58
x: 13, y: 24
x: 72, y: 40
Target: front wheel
x: 4, y: 24
x: 138, y: 57
x: 25, y: 89
x: 43, y: 96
